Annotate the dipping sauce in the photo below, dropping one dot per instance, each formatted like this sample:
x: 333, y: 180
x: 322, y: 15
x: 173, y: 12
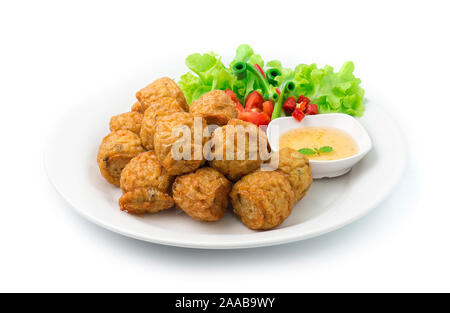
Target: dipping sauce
x: 342, y: 143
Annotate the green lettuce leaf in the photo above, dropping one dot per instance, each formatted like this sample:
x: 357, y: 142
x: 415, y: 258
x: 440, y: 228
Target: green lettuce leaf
x: 245, y: 53
x: 192, y: 87
x: 332, y: 92
x: 257, y: 59
x: 212, y: 74
x: 207, y: 66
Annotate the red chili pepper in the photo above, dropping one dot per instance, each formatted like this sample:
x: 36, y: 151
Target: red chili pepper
x: 254, y: 101
x: 311, y: 109
x: 302, y: 98
x: 289, y: 105
x: 278, y: 91
x: 260, y: 70
x: 302, y: 106
x: 268, y: 108
x: 298, y: 115
x: 257, y: 118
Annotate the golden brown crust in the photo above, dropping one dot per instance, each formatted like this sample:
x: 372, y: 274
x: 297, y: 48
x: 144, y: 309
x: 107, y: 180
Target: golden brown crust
x: 215, y: 106
x: 160, y: 88
x: 137, y: 107
x: 236, y: 122
x: 145, y: 200
x: 168, y: 133
x: 162, y: 107
x: 203, y: 195
x: 144, y: 171
x: 261, y: 134
x: 116, y: 150
x: 297, y: 169
x: 126, y: 121
x: 249, y: 155
x: 263, y: 200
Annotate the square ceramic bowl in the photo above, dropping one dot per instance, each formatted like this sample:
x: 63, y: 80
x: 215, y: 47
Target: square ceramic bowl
x: 347, y: 123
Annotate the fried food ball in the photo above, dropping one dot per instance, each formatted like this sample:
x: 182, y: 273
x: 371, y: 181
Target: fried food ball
x: 145, y: 171
x: 127, y: 121
x: 261, y: 134
x: 160, y: 88
x: 171, y: 131
x: 161, y: 107
x: 215, y: 106
x: 116, y: 150
x: 245, y: 156
x: 137, y: 107
x: 145, y: 200
x: 203, y: 195
x: 145, y: 185
x: 263, y: 200
x: 297, y: 170
x: 236, y: 121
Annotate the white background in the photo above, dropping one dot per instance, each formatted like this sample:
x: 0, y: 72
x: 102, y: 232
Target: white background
x: 54, y: 54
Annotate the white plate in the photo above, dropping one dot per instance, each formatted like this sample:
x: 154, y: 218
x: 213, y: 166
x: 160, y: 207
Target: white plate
x: 70, y: 161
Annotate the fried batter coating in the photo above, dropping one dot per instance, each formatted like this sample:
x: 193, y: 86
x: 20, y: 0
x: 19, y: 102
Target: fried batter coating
x: 145, y: 200
x: 145, y: 185
x: 162, y: 107
x: 137, y: 107
x: 245, y: 158
x: 116, y: 150
x: 215, y: 106
x: 297, y: 170
x: 169, y: 133
x: 144, y: 171
x: 236, y: 122
x: 160, y: 88
x: 203, y: 195
x: 127, y: 121
x: 263, y: 200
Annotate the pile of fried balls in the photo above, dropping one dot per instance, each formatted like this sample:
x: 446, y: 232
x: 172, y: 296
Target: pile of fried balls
x: 137, y: 156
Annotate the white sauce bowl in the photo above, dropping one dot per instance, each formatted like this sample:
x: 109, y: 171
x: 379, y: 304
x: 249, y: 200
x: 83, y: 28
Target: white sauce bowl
x: 347, y: 123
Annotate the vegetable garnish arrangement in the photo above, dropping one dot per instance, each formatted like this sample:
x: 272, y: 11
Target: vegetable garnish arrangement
x: 265, y: 91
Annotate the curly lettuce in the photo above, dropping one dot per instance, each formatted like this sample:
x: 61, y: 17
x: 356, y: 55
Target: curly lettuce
x: 211, y: 74
x: 245, y: 53
x: 332, y: 92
